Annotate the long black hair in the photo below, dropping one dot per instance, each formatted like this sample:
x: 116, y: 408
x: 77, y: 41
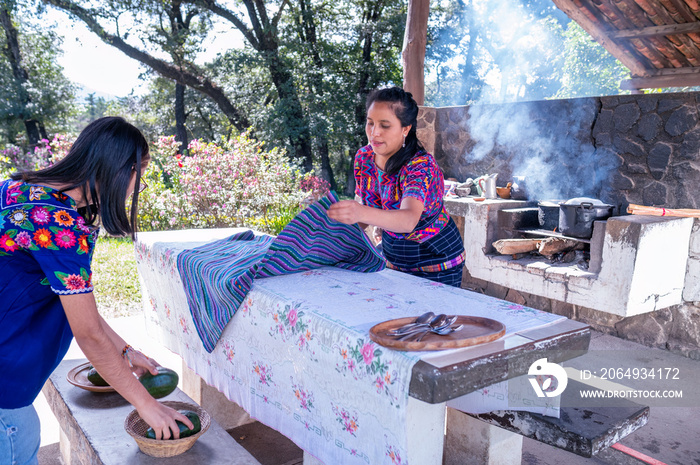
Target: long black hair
x: 406, y: 110
x: 100, y: 163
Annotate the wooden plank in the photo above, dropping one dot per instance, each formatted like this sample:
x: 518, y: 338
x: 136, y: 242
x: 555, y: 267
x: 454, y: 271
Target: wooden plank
x: 413, y: 54
x: 659, y: 50
x: 660, y: 16
x: 687, y: 79
x: 636, y: 66
x: 676, y: 71
x: 515, y: 246
x: 655, y: 31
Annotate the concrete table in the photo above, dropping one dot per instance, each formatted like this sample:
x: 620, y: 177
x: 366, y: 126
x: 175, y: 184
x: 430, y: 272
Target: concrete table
x: 306, y: 384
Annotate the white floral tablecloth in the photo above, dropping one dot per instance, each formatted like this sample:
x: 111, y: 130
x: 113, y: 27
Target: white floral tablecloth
x: 297, y: 354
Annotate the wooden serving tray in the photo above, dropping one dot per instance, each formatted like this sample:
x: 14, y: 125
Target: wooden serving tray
x: 77, y: 376
x: 476, y: 330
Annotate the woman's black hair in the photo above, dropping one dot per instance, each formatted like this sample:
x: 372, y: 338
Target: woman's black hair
x: 406, y: 110
x: 100, y: 163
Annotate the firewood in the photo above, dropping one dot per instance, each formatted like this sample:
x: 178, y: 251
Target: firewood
x: 657, y: 211
x: 516, y: 246
x: 553, y: 245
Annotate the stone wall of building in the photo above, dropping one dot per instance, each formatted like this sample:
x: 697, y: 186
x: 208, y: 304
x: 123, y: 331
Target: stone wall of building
x: 641, y: 149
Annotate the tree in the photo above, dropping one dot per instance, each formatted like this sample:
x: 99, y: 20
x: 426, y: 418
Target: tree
x: 261, y: 31
x: 177, y: 33
x: 33, y: 91
x: 191, y: 75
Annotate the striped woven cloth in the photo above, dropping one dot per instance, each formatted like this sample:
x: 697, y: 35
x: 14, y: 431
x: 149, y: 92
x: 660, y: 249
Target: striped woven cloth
x: 218, y: 276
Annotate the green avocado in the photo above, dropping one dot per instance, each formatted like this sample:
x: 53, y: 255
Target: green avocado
x: 94, y: 377
x: 162, y: 384
x: 184, y: 430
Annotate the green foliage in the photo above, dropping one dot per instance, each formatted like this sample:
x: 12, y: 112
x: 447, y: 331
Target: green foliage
x: 496, y: 51
x: 5, y: 167
x: 49, y: 92
x: 589, y: 70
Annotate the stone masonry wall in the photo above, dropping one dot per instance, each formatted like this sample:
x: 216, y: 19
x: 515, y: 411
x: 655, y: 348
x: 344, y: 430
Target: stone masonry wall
x: 642, y: 149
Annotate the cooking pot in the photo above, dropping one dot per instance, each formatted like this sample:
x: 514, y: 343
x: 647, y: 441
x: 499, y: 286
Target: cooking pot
x: 548, y: 214
x: 576, y: 216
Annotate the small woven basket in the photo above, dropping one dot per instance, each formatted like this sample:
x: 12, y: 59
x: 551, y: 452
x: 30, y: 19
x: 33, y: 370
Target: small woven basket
x: 136, y: 427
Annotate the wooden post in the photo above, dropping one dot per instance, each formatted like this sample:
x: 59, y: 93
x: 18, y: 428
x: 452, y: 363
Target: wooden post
x: 413, y: 54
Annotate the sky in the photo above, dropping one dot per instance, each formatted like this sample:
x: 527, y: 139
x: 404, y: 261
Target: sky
x: 108, y: 72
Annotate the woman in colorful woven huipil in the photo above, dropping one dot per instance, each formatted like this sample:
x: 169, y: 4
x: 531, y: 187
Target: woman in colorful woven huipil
x: 47, y: 238
x: 401, y: 188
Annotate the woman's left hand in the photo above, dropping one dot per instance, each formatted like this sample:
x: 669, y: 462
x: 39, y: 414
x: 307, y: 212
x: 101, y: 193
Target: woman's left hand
x: 140, y: 363
x: 346, y: 211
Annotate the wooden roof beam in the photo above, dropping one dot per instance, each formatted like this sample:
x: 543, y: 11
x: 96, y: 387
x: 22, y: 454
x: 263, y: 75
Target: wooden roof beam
x: 601, y: 36
x: 664, y: 78
x: 656, y: 31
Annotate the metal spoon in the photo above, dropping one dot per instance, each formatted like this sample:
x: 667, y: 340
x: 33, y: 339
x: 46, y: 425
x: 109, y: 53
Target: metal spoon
x: 420, y: 321
x: 435, y: 323
x: 446, y: 330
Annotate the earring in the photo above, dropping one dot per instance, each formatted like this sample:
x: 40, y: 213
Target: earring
x: 404, y: 141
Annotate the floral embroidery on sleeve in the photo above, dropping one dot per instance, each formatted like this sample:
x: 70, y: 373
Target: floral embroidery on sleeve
x: 44, y: 222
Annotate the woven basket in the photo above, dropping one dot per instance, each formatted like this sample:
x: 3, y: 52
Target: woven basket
x: 136, y: 427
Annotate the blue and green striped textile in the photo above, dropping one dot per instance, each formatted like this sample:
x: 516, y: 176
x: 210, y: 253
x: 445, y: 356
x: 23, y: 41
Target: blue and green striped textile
x: 218, y: 276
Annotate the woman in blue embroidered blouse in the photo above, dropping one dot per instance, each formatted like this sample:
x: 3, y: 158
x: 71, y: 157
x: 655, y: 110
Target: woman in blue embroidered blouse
x: 401, y: 188
x: 46, y: 243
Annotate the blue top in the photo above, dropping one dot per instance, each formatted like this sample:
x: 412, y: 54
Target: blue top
x: 45, y: 251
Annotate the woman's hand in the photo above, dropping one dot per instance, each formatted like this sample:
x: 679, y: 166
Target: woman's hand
x: 141, y: 364
x: 403, y: 220
x: 346, y: 211
x: 162, y: 419
x: 97, y: 342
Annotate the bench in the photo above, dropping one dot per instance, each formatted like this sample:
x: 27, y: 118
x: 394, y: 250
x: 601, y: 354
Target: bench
x: 92, y: 429
x: 585, y: 429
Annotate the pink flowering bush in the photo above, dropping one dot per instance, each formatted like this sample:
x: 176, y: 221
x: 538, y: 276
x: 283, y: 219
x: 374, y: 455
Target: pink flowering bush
x: 316, y: 186
x: 235, y: 183
x: 164, y: 204
x: 13, y: 158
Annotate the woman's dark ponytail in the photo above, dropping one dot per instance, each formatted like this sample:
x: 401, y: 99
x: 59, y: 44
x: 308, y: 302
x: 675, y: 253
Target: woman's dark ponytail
x: 406, y: 110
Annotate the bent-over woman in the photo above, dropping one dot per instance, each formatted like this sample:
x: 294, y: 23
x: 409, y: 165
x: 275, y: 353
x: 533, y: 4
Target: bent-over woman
x: 47, y: 237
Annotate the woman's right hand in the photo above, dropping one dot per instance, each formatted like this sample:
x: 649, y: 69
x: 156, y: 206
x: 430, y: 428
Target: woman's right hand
x: 162, y: 418
x: 346, y: 211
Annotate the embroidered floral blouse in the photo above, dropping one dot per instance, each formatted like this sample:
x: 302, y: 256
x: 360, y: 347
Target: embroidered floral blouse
x: 420, y: 178
x: 45, y: 251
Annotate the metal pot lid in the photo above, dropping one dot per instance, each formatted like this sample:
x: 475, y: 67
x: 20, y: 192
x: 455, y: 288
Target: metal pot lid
x: 550, y: 203
x: 580, y: 200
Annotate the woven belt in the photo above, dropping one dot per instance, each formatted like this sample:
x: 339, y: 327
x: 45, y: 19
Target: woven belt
x: 458, y: 260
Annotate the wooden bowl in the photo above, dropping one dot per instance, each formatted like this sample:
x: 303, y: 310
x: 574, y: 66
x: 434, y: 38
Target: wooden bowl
x: 503, y: 192
x: 136, y: 427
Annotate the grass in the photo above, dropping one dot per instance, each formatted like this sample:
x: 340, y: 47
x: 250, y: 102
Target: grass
x: 116, y: 280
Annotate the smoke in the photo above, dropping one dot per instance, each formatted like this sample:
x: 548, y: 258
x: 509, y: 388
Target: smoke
x: 549, y: 143
x: 519, y: 46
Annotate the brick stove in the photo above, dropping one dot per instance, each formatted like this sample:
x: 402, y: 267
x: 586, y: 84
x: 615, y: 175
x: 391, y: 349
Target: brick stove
x: 638, y: 264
